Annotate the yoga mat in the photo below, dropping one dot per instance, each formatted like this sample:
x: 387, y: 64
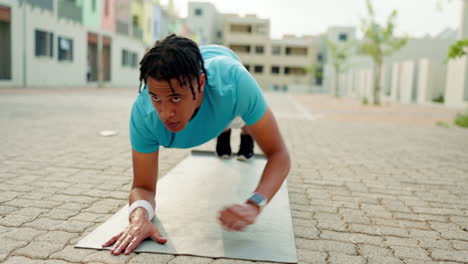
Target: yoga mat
x: 189, y: 199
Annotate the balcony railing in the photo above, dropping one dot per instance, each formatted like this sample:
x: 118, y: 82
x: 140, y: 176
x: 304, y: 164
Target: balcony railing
x: 45, y: 4
x: 69, y: 9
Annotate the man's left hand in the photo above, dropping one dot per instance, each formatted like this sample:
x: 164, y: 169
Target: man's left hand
x: 237, y: 217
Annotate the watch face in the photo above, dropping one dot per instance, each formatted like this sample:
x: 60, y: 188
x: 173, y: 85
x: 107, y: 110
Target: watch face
x: 257, y: 199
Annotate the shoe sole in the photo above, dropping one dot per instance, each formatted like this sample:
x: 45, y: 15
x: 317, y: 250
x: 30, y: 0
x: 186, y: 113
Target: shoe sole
x: 242, y: 158
x: 225, y: 156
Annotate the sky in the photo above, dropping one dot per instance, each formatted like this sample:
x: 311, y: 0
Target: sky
x: 416, y: 18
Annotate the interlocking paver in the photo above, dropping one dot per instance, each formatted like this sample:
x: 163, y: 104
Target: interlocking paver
x: 365, y: 185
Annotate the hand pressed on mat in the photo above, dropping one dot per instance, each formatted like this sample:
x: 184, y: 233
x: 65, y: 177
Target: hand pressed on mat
x: 138, y: 230
x: 237, y: 217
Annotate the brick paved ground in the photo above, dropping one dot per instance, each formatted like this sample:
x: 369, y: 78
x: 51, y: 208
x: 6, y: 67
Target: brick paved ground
x: 362, y: 191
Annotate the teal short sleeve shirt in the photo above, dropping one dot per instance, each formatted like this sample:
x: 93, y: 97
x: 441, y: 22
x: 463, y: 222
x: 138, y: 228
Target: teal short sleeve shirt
x: 230, y: 91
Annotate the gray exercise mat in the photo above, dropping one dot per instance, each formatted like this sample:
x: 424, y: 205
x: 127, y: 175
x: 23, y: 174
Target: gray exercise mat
x: 189, y: 199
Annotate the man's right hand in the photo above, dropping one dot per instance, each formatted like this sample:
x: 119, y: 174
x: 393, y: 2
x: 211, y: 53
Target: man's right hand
x: 138, y: 230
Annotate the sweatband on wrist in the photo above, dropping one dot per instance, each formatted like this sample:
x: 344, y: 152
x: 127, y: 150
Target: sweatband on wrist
x: 143, y: 204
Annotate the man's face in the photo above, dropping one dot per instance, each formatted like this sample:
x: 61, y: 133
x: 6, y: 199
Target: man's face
x: 175, y: 107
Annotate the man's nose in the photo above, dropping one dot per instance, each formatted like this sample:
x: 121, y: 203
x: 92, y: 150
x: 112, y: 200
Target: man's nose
x: 166, y: 111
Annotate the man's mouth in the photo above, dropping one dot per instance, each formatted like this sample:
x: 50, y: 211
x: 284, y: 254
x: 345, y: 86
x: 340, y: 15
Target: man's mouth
x: 171, y: 125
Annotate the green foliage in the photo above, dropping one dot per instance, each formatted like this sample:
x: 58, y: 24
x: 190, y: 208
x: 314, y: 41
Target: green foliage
x: 462, y: 119
x: 379, y: 41
x: 365, y: 101
x: 442, y: 124
x: 339, y: 54
x: 458, y: 50
x: 439, y: 99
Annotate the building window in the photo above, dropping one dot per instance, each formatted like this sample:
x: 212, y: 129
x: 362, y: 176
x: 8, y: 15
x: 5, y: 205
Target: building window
x: 240, y: 48
x: 134, y: 60
x: 259, y: 49
x: 320, y: 57
x: 247, y: 67
x: 65, y: 49
x: 44, y: 43
x: 199, y: 12
x: 93, y: 5
x: 124, y: 57
x: 275, y: 69
x: 258, y: 69
x: 219, y: 34
x: 129, y: 59
x: 342, y: 37
x: 296, y: 51
x: 276, y: 50
x: 294, y: 71
x: 136, y: 22
x: 241, y: 28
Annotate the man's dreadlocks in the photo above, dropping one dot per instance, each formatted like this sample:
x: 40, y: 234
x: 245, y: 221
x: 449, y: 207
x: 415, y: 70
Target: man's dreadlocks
x: 173, y: 57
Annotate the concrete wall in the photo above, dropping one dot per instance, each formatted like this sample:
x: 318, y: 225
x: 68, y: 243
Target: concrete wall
x: 45, y: 71
x: 91, y: 15
x: 456, y: 96
x: 431, y: 80
x: 125, y: 76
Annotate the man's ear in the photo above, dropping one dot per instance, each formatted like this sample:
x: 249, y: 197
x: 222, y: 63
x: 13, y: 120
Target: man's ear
x: 202, y: 82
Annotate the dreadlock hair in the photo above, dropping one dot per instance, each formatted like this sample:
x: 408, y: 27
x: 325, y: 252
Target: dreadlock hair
x: 173, y: 57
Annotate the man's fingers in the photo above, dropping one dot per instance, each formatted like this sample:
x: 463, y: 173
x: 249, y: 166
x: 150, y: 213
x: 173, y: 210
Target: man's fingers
x: 122, y: 245
x: 158, y: 238
x: 112, y: 240
x: 136, y: 241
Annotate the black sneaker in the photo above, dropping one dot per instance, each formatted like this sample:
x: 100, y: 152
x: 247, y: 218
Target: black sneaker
x: 246, y: 148
x: 223, y: 145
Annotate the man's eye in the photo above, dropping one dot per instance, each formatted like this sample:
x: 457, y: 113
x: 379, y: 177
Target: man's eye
x: 176, y: 99
x: 156, y: 99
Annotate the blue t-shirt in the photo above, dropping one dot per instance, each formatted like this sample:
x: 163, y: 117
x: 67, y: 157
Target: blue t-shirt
x: 229, y: 92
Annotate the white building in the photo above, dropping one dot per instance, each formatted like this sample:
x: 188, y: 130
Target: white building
x: 44, y: 44
x: 204, y: 21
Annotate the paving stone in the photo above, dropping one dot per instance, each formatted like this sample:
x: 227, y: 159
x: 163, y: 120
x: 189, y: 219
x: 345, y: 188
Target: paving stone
x: 56, y: 237
x: 143, y: 258
x: 190, y: 260
x: 32, y: 203
x: 392, y: 231
x: 60, y: 214
x: 460, y: 245
x: 326, y: 245
x: 104, y: 256
x: 21, y: 260
x: 410, y: 252
x: 364, y: 229
x: 430, y: 243
x: 337, y: 258
x: 354, y: 238
x: 38, y: 249
x: 71, y: 254
x: 306, y: 232
x: 440, y: 254
x: 22, y: 234
x: 312, y: 257
x: 398, y: 241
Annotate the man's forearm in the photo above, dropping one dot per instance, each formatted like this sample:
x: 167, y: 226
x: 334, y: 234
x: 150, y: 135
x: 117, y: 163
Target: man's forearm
x: 275, y: 172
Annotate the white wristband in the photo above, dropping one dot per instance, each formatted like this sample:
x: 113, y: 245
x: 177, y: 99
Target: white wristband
x: 143, y: 204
